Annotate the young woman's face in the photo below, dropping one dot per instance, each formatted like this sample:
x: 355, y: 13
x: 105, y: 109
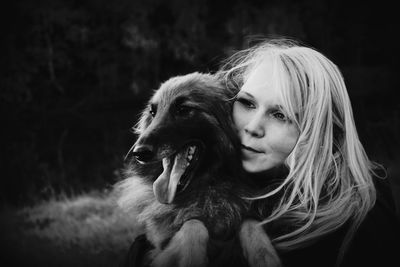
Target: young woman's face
x: 266, y: 133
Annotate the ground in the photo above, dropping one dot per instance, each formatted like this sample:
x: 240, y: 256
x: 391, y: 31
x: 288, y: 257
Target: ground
x: 86, y: 230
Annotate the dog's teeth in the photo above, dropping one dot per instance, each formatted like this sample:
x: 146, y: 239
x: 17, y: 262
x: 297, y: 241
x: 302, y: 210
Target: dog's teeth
x: 192, y: 149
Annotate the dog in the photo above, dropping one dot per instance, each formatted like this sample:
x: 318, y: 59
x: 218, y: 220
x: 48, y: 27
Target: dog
x: 184, y: 183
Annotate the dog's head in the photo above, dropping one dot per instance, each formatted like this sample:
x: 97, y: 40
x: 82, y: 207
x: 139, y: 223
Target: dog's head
x: 187, y: 128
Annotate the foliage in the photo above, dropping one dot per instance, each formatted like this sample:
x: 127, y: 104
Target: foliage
x: 76, y: 73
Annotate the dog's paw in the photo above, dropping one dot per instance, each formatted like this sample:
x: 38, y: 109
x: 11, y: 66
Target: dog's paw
x: 256, y: 245
x: 187, y: 248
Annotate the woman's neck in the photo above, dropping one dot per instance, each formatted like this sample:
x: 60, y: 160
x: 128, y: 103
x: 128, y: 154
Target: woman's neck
x: 268, y: 178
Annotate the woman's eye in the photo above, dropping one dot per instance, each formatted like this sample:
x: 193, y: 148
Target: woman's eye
x: 279, y: 115
x: 245, y: 102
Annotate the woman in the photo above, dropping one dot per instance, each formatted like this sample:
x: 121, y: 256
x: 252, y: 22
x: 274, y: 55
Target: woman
x: 293, y: 112
x: 318, y: 201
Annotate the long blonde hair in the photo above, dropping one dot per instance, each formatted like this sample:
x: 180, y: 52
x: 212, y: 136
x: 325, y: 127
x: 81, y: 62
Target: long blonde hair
x: 330, y: 176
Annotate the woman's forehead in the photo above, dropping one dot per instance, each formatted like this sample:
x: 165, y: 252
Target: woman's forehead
x: 259, y: 74
x: 262, y: 82
x: 271, y: 85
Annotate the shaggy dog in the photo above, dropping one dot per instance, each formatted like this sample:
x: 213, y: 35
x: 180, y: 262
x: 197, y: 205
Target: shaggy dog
x: 184, y: 184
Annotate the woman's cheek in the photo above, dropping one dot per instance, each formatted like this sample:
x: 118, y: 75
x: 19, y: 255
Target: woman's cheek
x: 283, y: 139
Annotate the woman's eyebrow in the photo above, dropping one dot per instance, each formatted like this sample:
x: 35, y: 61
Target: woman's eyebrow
x: 246, y: 93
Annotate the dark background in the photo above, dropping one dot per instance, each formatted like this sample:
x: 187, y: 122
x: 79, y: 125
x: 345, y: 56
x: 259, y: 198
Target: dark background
x: 74, y: 75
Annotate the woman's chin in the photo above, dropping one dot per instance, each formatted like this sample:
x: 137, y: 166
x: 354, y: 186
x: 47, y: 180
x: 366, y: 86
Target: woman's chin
x: 266, y: 170
x: 256, y: 166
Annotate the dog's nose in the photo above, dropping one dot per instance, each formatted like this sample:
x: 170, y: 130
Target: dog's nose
x: 143, y: 153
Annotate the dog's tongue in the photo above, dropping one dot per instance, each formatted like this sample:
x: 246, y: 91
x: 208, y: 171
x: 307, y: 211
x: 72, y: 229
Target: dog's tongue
x: 165, y: 186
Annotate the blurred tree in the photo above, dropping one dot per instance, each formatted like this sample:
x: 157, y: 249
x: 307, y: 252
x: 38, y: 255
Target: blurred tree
x: 75, y: 73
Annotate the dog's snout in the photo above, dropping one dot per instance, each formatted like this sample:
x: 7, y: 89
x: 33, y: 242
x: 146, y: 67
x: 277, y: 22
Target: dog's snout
x: 143, y: 153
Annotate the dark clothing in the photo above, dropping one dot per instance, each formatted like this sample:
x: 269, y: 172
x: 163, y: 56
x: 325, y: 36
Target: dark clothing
x: 376, y: 242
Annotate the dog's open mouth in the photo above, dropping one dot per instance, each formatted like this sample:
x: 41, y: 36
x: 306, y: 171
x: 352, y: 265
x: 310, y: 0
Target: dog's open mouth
x: 177, y: 174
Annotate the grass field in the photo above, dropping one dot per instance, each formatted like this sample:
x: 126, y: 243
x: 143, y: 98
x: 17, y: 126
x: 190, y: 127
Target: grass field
x: 86, y: 230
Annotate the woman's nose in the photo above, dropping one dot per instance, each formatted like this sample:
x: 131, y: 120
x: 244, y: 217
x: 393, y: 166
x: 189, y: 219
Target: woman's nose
x: 255, y: 126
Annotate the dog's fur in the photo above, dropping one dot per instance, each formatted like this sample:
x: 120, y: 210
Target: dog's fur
x: 179, y: 220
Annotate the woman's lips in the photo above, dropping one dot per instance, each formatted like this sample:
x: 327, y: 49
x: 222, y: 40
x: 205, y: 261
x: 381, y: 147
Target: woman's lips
x: 251, y: 149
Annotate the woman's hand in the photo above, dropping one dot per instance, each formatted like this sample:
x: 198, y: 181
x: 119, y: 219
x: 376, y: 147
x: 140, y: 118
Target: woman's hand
x: 256, y: 245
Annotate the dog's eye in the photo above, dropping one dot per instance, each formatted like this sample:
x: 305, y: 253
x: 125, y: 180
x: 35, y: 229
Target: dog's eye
x: 153, y: 110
